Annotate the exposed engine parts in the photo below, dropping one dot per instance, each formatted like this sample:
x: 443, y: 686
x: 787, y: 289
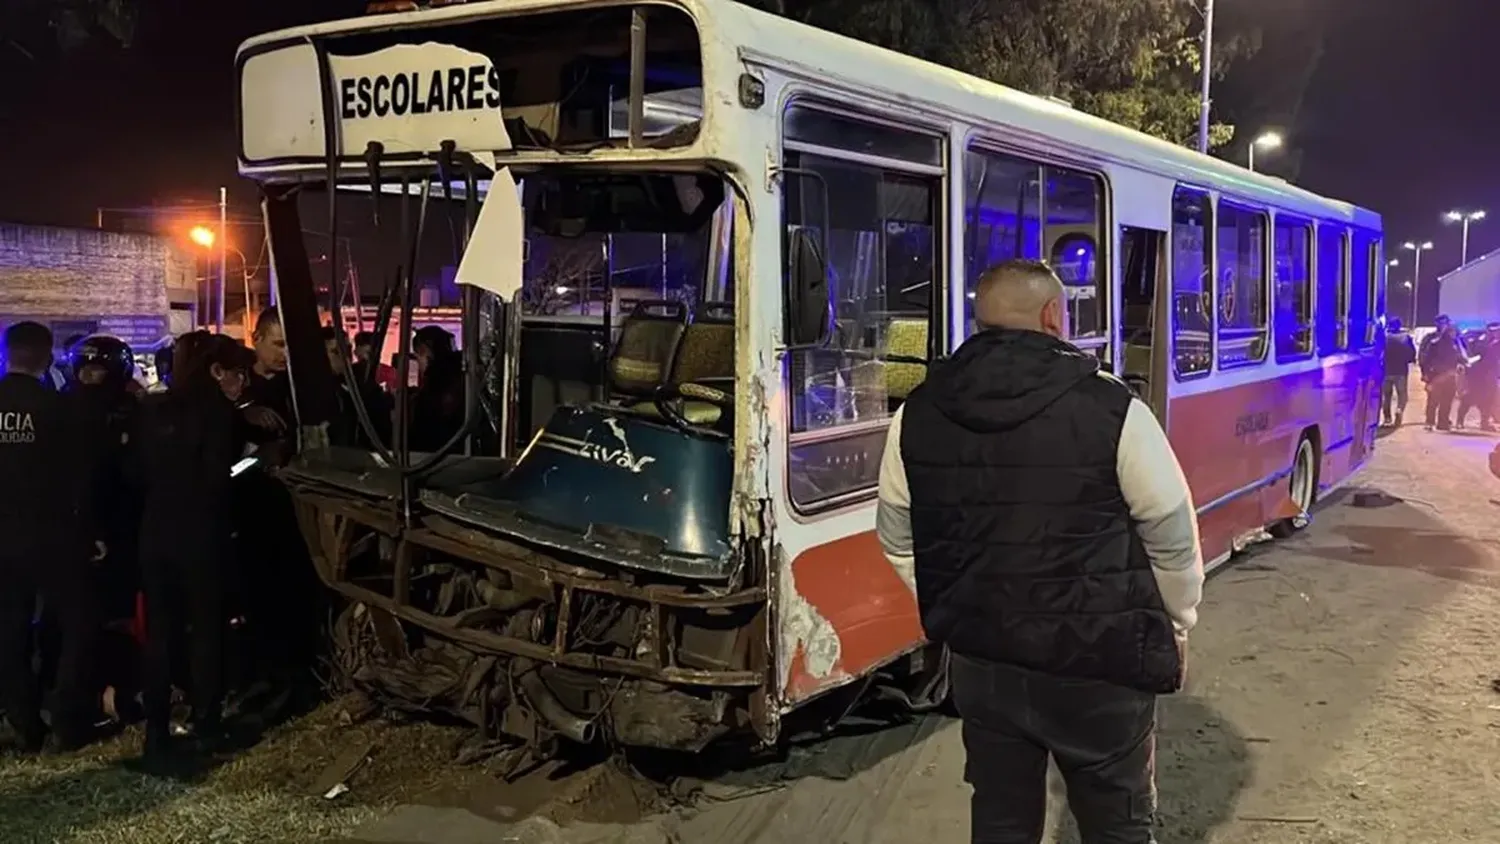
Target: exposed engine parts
x: 533, y: 649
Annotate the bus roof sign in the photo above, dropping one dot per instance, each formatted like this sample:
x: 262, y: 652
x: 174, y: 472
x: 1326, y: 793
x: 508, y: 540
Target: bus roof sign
x: 408, y: 97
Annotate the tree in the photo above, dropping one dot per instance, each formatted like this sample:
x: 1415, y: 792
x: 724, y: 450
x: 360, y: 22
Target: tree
x: 1135, y: 62
x: 30, y: 29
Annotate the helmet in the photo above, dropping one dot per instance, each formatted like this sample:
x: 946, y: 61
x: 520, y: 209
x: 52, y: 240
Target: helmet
x: 103, y: 350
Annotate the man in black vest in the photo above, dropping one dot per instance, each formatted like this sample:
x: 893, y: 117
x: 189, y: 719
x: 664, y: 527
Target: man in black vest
x: 1056, y: 555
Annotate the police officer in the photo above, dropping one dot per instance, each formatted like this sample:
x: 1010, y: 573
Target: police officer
x: 104, y: 407
x: 44, y: 553
x: 187, y: 440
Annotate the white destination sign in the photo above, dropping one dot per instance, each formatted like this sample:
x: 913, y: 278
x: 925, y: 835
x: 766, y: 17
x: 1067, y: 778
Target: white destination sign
x: 409, y: 97
x: 412, y: 97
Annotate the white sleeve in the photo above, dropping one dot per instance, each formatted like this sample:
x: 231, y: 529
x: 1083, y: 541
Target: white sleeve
x: 893, y: 512
x: 1161, y: 505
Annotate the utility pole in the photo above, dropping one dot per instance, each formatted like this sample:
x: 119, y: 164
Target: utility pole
x: 1206, y: 100
x: 223, y: 259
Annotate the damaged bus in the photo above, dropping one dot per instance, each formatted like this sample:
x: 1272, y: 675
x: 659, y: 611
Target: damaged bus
x: 702, y: 253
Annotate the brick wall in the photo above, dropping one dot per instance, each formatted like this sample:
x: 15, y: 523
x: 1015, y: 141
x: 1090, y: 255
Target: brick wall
x: 89, y: 273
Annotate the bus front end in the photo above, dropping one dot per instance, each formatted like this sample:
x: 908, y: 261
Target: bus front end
x: 547, y: 549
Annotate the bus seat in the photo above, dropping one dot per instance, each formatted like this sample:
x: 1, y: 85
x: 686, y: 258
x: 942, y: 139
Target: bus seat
x: 647, y: 348
x: 880, y: 386
x: 705, y: 354
x: 905, y: 338
x: 1137, y: 360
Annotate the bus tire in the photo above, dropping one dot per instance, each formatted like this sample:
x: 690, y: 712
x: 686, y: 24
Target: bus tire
x: 1304, y: 485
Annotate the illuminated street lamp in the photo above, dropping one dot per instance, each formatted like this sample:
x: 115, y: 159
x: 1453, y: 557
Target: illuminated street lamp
x: 203, y: 236
x: 1467, y: 218
x: 1268, y: 141
x: 1416, y: 290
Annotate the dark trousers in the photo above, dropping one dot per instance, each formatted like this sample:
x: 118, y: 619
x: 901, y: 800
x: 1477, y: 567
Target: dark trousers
x: 1393, y: 396
x: 1441, y: 390
x: 64, y: 590
x: 1102, y: 736
x: 185, y: 605
x: 1481, y: 394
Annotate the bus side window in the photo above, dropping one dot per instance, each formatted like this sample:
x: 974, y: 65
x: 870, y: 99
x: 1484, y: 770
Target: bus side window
x: 1333, y: 289
x: 1361, y: 294
x: 1241, y: 245
x: 1003, y: 216
x: 1017, y: 208
x: 1294, y: 289
x: 884, y: 262
x: 1192, y: 284
x: 1375, y: 257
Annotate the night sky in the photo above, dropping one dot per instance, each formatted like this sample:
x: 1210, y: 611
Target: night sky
x: 1398, y: 111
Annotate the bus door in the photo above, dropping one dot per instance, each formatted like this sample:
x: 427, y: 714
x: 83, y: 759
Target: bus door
x: 1144, y: 314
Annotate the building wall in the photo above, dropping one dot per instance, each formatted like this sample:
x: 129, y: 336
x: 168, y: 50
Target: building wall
x: 118, y: 283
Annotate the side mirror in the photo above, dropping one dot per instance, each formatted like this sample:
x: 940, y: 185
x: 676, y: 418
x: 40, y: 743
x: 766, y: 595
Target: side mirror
x: 808, y: 310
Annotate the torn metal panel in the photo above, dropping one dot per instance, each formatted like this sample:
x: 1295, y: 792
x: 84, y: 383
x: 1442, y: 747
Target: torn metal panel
x: 808, y: 649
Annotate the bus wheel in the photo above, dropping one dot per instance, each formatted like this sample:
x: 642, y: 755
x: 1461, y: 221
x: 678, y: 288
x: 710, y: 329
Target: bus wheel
x: 1304, y: 488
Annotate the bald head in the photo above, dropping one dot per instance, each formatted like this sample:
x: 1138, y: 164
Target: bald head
x: 1021, y: 295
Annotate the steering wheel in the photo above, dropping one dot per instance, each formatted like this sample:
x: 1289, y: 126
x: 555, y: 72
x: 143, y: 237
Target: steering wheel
x: 668, y: 398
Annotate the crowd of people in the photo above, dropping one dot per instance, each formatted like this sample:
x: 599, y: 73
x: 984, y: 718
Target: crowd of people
x: 1454, y: 371
x: 147, y: 561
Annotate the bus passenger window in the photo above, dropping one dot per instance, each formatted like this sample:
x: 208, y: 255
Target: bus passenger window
x: 1241, y: 244
x: 1361, y: 302
x: 1377, y: 290
x: 1023, y: 209
x: 1294, y: 289
x: 1074, y: 225
x: 1192, y: 284
x: 1003, y: 216
x: 883, y: 263
x: 1333, y: 289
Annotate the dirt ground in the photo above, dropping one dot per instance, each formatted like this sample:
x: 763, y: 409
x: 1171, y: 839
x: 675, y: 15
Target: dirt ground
x: 268, y: 793
x: 1340, y: 693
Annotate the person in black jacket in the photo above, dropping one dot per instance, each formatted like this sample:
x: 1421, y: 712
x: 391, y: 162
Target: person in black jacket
x: 1038, y: 508
x: 1482, y: 380
x: 1400, y: 354
x: 104, y: 407
x: 44, y: 547
x: 187, y: 441
x: 1441, y: 358
x: 437, y: 407
x: 347, y: 430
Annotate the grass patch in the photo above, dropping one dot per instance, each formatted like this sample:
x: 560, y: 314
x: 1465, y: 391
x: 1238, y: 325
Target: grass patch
x: 261, y: 795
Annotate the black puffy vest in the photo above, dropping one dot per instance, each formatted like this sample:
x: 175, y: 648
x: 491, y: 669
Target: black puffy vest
x: 1025, y: 550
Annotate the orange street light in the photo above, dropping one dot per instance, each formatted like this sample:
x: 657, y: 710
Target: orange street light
x: 202, y: 235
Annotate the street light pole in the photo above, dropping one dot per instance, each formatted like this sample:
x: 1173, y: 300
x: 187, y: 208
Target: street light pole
x: 1467, y: 218
x: 1205, y: 100
x: 223, y: 259
x: 1416, y: 290
x: 1269, y: 140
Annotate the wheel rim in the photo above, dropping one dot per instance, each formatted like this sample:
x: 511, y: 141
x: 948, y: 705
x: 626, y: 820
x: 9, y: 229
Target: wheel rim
x: 1302, y: 476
